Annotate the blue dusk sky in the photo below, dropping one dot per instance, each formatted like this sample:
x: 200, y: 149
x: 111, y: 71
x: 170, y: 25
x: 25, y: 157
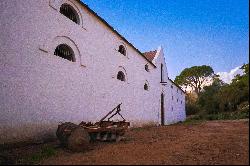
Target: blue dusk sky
x: 191, y: 32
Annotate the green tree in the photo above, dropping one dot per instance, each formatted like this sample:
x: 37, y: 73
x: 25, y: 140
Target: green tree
x: 191, y: 106
x: 195, y: 77
x: 230, y: 96
x: 208, y: 98
x: 244, y: 79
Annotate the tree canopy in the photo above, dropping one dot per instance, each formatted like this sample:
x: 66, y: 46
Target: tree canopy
x: 195, y: 77
x: 233, y: 94
x: 221, y: 100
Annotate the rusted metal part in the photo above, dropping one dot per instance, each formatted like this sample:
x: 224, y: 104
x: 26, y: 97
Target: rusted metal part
x: 69, y: 134
x: 106, y: 130
x: 118, y: 109
x: 109, y: 127
x: 64, y: 130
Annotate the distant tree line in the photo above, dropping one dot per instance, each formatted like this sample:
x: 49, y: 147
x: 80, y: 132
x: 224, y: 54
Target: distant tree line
x: 218, y: 100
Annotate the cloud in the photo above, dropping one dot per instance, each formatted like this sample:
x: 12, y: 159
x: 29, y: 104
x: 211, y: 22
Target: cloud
x: 228, y: 76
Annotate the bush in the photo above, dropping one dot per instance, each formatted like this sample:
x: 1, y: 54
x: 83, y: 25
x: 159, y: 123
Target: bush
x: 243, y: 114
x: 229, y: 115
x: 196, y: 119
x: 192, y: 109
x: 243, y: 106
x: 212, y: 117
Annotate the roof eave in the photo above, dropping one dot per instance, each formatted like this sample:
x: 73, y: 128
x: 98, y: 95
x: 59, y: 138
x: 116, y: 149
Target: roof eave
x: 109, y: 26
x: 176, y: 85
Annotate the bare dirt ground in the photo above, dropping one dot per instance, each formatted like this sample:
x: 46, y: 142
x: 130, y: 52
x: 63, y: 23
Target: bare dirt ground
x: 212, y: 142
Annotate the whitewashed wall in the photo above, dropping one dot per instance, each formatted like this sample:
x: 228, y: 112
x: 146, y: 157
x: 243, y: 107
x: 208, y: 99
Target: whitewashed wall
x: 176, y: 103
x: 174, y: 111
x: 38, y: 90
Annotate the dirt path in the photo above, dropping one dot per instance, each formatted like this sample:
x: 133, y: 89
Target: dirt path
x: 214, y: 142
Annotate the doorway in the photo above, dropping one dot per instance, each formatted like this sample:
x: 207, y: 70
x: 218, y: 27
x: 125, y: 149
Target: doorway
x: 162, y: 109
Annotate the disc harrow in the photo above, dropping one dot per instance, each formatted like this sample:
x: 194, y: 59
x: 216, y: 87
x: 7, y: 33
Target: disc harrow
x: 78, y: 137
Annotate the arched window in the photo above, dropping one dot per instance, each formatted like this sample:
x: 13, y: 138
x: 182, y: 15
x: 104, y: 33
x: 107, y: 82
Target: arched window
x: 122, y: 50
x: 145, y: 86
x: 147, y: 68
x: 65, y: 52
x: 121, y: 76
x: 69, y: 12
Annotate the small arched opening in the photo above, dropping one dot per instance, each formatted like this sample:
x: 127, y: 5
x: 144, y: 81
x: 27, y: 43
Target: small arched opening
x: 69, y: 12
x: 122, y: 50
x: 121, y: 76
x: 146, y: 86
x: 64, y: 51
x: 147, y: 68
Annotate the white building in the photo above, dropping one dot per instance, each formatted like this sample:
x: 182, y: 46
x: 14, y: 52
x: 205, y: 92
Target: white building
x: 61, y: 62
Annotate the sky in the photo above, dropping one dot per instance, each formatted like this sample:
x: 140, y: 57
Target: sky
x: 191, y: 32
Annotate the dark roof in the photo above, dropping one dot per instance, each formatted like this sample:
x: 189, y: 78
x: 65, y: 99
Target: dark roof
x: 177, y: 85
x: 150, y: 55
x: 103, y: 21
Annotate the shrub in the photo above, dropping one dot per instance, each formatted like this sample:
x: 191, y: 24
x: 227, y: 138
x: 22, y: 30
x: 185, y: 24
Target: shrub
x: 192, y: 109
